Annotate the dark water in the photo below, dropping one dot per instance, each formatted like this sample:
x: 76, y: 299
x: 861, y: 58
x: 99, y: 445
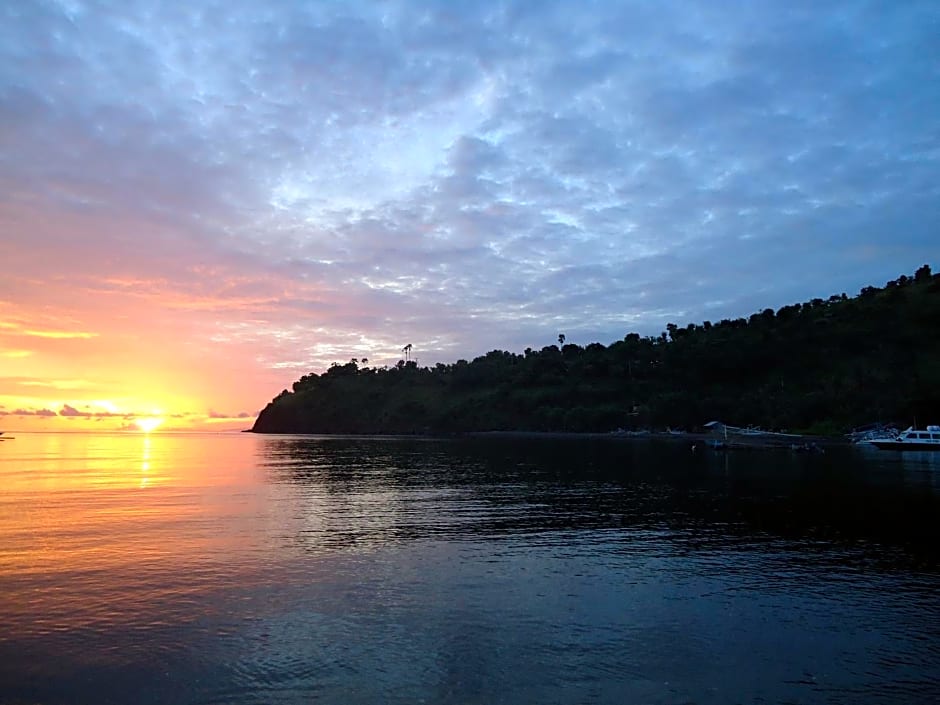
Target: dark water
x: 246, y: 569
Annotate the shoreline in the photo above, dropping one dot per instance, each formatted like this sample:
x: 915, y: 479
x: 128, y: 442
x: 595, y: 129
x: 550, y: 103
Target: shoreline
x: 755, y: 442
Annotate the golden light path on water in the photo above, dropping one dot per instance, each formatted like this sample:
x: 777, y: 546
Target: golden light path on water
x: 115, y: 502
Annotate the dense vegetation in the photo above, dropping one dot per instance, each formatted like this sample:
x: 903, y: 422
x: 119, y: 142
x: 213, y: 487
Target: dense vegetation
x: 821, y: 366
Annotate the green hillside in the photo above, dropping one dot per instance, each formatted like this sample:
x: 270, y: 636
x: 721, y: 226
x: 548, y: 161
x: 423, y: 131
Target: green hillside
x: 824, y: 365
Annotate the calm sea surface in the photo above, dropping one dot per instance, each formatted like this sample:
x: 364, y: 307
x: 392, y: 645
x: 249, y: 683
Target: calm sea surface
x: 274, y: 569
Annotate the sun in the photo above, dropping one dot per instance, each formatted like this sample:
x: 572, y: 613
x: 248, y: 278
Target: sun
x: 148, y: 423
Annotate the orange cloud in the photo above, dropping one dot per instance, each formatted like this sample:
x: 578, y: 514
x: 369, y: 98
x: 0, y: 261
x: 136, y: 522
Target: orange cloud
x: 59, y: 334
x: 56, y: 333
x: 58, y: 383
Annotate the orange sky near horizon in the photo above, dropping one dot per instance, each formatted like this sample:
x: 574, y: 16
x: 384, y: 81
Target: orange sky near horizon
x: 95, y: 351
x: 120, y: 369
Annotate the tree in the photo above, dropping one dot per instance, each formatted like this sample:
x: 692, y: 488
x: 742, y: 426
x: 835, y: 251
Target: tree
x: 561, y: 340
x: 804, y: 366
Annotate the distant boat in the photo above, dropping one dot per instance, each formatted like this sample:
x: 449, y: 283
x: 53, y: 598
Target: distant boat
x: 725, y: 436
x: 864, y: 435
x: 912, y: 439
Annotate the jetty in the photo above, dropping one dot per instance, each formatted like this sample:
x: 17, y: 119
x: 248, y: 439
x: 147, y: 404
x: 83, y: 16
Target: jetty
x: 722, y: 435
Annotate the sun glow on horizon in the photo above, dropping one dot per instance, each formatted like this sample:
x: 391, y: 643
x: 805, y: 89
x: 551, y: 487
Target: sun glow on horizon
x: 148, y: 423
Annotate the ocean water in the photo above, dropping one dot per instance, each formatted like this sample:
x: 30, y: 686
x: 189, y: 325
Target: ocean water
x: 235, y: 568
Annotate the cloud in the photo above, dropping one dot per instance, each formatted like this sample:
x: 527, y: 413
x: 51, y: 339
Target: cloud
x: 305, y: 183
x: 72, y: 411
x: 13, y: 328
x: 241, y: 415
x: 60, y: 334
x: 33, y: 412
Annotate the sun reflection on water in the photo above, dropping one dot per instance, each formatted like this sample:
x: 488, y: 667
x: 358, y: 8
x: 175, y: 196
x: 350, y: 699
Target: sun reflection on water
x: 145, y: 463
x: 98, y: 520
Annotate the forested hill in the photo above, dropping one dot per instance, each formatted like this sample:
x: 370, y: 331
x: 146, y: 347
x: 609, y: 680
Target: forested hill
x: 821, y: 366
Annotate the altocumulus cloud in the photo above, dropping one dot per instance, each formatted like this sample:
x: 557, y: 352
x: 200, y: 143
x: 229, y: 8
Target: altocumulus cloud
x: 466, y: 177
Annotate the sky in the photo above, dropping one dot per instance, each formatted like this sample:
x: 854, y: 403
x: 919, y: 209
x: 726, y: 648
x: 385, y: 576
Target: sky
x: 200, y: 202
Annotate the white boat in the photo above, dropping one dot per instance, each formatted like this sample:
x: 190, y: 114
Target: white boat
x: 912, y: 439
